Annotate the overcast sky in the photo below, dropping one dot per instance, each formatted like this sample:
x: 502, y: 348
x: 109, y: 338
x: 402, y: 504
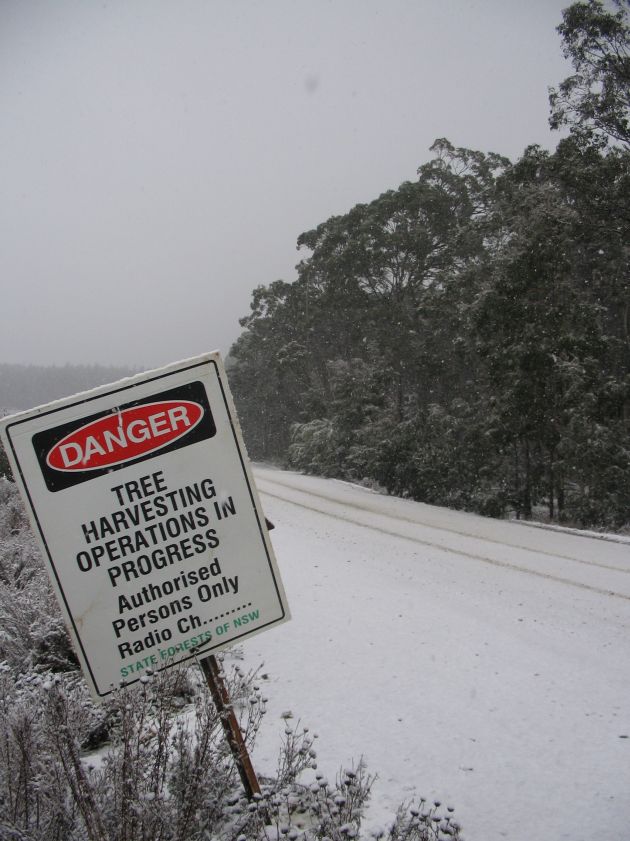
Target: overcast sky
x: 159, y: 158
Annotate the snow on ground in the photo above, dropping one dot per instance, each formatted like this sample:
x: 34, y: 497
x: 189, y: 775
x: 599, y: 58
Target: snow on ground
x: 475, y: 661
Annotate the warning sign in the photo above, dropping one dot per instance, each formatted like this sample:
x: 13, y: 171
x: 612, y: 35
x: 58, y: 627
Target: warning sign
x: 144, y: 503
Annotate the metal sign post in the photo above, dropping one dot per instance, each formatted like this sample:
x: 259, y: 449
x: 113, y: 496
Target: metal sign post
x: 212, y: 672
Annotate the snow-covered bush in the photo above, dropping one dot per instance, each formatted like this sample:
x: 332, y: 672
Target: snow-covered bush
x: 313, y: 447
x: 5, y: 469
x: 32, y: 633
x: 166, y: 772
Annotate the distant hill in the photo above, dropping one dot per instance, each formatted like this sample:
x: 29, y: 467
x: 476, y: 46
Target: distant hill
x: 25, y: 386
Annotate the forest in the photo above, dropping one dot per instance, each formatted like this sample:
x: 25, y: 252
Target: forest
x: 464, y: 340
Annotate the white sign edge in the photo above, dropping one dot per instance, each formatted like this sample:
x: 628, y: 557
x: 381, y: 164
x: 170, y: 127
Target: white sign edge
x: 85, y: 396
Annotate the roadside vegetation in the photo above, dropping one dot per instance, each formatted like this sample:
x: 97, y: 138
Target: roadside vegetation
x: 152, y: 762
x: 464, y: 340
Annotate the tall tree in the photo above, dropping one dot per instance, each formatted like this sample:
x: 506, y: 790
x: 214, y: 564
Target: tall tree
x: 403, y: 252
x: 596, y: 98
x: 548, y: 322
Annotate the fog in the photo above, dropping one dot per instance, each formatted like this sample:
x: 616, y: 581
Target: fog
x: 160, y: 157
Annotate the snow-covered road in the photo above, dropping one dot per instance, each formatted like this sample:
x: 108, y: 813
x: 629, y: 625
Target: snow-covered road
x: 481, y: 662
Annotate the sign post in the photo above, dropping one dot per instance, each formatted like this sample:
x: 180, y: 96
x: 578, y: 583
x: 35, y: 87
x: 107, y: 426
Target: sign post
x: 143, y: 501
x: 212, y: 672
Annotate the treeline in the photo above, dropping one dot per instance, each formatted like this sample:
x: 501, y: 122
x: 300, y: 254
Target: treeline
x: 26, y: 386
x: 464, y: 339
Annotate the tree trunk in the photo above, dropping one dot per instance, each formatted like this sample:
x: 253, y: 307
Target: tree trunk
x: 517, y: 482
x: 527, y: 489
x: 552, y: 487
x: 560, y: 492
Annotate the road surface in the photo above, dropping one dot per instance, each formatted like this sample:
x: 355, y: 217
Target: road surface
x: 481, y: 662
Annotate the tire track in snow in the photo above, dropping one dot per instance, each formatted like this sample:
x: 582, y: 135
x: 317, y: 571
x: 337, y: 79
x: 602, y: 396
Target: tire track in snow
x: 414, y: 522
x: 262, y: 481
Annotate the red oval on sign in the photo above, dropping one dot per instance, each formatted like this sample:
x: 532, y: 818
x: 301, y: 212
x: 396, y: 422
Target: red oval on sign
x: 125, y: 435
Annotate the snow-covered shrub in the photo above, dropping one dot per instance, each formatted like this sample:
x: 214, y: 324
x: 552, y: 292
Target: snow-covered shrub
x: 313, y: 447
x: 5, y: 469
x: 424, y: 822
x: 35, y: 799
x: 12, y: 514
x: 166, y: 773
x: 33, y: 635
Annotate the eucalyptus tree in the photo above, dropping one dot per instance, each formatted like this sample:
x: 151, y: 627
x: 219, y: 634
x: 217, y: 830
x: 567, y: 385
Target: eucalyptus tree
x: 548, y: 323
x: 398, y: 257
x: 595, y: 99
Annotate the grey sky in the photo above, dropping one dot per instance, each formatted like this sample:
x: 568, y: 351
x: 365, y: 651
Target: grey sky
x: 159, y: 158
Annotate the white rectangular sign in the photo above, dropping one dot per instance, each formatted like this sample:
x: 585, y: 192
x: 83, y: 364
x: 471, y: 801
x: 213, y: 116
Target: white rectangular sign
x: 143, y: 500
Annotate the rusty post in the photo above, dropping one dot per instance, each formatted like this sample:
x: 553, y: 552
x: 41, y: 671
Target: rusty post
x: 210, y: 668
